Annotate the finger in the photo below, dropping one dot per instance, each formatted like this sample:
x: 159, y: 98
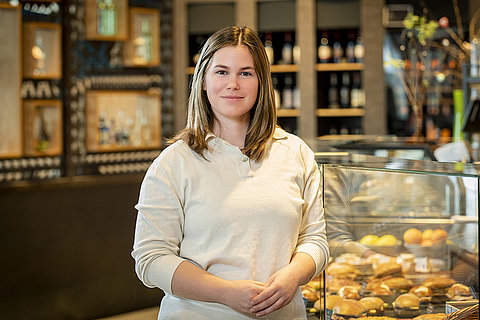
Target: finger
x: 279, y: 303
x: 265, y: 294
x: 261, y: 305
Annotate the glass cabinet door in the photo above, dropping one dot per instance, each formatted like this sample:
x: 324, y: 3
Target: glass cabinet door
x: 403, y: 240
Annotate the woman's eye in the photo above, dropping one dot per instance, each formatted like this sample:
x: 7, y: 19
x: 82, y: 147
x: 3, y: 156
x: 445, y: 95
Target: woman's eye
x: 221, y: 72
x: 247, y: 74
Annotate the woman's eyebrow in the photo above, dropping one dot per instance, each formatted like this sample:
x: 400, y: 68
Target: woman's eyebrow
x: 227, y: 67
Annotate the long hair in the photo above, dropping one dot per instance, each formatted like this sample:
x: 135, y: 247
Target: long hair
x: 200, y: 117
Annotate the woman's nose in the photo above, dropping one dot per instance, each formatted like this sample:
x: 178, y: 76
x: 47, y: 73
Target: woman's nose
x: 233, y: 84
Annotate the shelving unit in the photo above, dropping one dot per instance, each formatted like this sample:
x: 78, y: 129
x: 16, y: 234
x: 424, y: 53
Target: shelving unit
x: 10, y: 81
x: 308, y: 16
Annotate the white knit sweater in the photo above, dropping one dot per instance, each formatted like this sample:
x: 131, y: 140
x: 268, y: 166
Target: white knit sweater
x: 232, y: 216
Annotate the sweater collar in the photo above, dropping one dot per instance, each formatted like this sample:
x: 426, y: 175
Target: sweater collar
x: 277, y: 135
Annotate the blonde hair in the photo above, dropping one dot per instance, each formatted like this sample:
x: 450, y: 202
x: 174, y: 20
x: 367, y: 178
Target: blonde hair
x: 200, y: 117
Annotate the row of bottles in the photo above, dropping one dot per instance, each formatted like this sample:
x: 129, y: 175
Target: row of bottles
x: 340, y: 46
x: 122, y: 130
x: 281, y: 48
x: 347, y: 92
x: 287, y: 93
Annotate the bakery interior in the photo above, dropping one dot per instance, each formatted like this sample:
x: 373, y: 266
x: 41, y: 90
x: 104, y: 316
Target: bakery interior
x: 91, y: 90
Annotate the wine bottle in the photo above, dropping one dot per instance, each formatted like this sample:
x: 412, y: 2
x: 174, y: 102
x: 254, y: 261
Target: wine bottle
x: 324, y: 50
x: 357, y: 94
x: 287, y: 93
x: 333, y: 91
x: 269, y: 47
x: 345, y: 91
x: 276, y: 91
x: 296, y: 97
x: 287, y: 49
x: 359, y: 49
x: 350, y: 51
x: 337, y: 49
x: 296, y: 54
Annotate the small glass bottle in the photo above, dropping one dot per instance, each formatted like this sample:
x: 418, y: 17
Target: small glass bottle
x: 287, y: 49
x: 269, y: 48
x: 324, y: 50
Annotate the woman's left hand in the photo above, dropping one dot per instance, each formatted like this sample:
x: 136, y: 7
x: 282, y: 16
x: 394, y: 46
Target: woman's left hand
x: 281, y: 288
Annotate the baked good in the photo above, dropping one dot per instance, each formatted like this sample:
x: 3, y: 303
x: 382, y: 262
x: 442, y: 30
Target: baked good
x: 372, y: 284
x: 407, y: 305
x: 413, y: 236
x: 342, y: 270
x: 382, y: 290
x: 372, y: 304
x: 423, y: 293
x: 334, y: 284
x: 398, y: 283
x: 388, y: 268
x: 310, y: 293
x: 332, y: 301
x: 458, y: 289
x: 431, y: 316
x: 438, y: 283
x: 349, y: 292
x: 347, y: 307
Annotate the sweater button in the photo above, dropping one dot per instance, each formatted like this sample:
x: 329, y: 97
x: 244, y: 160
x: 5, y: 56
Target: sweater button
x: 245, y: 159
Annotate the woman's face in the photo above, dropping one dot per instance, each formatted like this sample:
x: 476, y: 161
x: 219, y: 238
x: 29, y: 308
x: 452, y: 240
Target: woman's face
x: 231, y: 83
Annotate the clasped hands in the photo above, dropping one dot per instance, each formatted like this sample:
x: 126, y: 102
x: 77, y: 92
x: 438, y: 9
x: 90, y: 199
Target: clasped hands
x: 258, y: 299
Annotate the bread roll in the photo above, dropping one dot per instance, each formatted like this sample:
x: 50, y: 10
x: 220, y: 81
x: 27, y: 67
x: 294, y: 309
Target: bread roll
x: 431, y: 316
x: 342, y: 270
x: 349, y: 308
x: 372, y: 303
x: 407, y: 300
x: 398, y: 283
x: 349, y: 292
x: 332, y: 301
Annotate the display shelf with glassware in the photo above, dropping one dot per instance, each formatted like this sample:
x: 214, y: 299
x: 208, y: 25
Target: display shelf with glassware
x: 106, y: 20
x: 42, y: 53
x: 123, y: 120
x: 142, y: 49
x: 398, y: 228
x: 43, y: 128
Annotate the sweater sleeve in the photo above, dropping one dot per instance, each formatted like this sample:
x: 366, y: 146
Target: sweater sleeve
x: 159, y: 229
x: 312, y: 237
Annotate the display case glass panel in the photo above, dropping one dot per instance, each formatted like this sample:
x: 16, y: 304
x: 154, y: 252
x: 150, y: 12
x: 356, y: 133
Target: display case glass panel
x: 143, y: 46
x: 42, y: 53
x: 42, y: 127
x: 395, y: 225
x: 123, y: 120
x: 10, y: 82
x: 106, y: 20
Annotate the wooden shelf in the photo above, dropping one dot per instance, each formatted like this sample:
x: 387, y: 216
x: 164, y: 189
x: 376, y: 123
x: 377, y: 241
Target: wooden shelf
x: 281, y: 68
x: 136, y: 115
x: 339, y: 66
x: 42, y: 51
x: 142, y: 49
x: 42, y: 125
x: 106, y: 24
x: 343, y: 112
x: 288, y: 112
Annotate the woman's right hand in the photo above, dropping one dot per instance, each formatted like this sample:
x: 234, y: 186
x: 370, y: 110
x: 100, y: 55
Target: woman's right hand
x: 240, y: 293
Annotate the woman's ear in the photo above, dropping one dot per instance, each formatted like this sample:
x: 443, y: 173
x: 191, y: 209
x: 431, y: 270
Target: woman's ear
x: 204, y: 87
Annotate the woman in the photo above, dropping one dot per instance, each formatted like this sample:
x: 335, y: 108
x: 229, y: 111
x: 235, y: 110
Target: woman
x: 230, y: 221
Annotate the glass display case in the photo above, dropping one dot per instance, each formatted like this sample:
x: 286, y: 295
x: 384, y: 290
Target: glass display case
x: 403, y: 235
